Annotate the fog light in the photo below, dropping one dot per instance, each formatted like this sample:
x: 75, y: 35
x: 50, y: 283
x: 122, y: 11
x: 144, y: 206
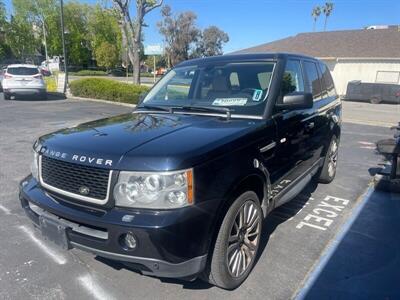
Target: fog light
x: 128, y: 241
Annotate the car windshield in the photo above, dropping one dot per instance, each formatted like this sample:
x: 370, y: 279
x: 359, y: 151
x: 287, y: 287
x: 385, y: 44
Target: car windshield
x: 22, y: 71
x: 240, y: 87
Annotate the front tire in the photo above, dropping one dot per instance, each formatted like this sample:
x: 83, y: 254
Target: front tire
x: 328, y: 171
x: 237, y: 243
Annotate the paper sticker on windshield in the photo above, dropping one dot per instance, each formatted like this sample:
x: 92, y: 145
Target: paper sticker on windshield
x: 257, y: 95
x: 230, y: 101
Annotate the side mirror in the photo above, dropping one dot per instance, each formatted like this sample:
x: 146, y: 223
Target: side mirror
x: 296, y: 100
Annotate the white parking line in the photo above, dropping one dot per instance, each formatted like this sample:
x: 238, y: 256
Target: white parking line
x: 366, y: 143
x: 5, y: 210
x: 94, y: 288
x: 332, y: 246
x: 61, y: 260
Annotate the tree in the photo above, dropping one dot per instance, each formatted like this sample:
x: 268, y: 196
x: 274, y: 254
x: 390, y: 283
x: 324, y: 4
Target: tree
x: 41, y: 14
x: 107, y: 55
x: 327, y: 10
x: 180, y: 33
x: 20, y: 38
x: 211, y: 42
x: 316, y: 12
x: 78, y: 45
x: 161, y: 61
x: 132, y: 30
x: 4, y: 49
x: 103, y: 27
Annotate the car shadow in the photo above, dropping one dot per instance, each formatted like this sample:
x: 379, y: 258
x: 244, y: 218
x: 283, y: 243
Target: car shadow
x: 51, y: 96
x: 283, y: 213
x: 273, y: 220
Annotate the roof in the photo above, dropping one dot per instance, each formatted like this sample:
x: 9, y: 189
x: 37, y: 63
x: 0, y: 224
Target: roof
x: 372, y: 43
x: 238, y: 58
x: 21, y: 65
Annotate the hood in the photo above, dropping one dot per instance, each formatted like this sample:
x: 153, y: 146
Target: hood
x: 139, y: 141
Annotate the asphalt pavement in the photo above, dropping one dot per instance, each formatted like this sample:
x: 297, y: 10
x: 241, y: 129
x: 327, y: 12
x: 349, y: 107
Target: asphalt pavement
x: 293, y: 240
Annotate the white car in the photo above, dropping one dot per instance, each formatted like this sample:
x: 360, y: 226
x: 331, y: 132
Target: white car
x: 23, y: 79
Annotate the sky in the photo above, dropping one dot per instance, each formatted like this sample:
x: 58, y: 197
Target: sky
x: 253, y: 22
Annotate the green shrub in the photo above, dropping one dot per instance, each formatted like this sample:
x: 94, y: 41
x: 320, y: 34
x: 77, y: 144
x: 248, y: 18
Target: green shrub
x: 107, y: 89
x: 146, y: 74
x: 51, y: 84
x: 89, y: 73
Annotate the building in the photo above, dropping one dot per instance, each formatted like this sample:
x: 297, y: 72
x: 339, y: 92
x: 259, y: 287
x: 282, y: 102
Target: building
x: 369, y: 55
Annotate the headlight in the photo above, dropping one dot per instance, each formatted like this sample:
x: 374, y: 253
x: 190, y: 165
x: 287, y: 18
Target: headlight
x: 154, y: 190
x: 35, y: 165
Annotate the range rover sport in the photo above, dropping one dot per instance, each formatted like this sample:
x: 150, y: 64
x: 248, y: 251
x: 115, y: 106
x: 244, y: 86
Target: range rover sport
x: 180, y: 186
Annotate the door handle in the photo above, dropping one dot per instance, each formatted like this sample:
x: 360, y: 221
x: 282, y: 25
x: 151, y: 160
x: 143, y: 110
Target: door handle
x: 309, y: 126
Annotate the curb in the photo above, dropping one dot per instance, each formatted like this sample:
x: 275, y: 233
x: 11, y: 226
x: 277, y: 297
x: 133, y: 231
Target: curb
x: 69, y: 96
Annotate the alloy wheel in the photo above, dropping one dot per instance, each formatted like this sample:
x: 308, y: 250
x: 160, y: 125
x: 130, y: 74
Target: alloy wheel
x: 243, y: 239
x: 333, y: 156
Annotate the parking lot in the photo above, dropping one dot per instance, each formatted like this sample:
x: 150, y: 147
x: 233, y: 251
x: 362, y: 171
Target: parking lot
x: 293, y: 239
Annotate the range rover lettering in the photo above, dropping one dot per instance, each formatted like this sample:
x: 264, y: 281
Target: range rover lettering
x: 179, y: 187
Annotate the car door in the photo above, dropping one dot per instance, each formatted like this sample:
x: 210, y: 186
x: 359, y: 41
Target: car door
x: 293, y: 138
x: 318, y: 126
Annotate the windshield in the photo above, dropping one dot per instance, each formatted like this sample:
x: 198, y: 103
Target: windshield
x: 22, y: 71
x: 241, y: 87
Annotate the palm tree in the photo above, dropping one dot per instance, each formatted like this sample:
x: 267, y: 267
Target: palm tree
x: 327, y: 9
x: 316, y: 12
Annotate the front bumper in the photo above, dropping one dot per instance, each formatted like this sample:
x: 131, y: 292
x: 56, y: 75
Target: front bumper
x: 170, y: 243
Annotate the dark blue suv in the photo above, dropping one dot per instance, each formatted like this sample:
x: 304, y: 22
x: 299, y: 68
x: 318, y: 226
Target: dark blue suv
x: 180, y: 186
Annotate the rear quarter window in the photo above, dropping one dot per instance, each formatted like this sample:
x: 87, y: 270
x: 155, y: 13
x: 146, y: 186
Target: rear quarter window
x: 314, y: 82
x: 327, y: 80
x: 22, y: 71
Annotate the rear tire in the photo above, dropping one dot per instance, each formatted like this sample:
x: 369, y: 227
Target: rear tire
x: 328, y: 170
x: 236, y: 245
x: 7, y: 96
x: 375, y: 100
x: 43, y: 96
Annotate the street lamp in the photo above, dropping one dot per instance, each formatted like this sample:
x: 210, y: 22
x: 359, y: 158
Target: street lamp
x: 64, y: 48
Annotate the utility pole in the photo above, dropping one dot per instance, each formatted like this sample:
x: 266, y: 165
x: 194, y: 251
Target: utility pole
x: 45, y: 42
x: 64, y: 48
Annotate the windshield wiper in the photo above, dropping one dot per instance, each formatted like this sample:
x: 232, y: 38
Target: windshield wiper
x: 171, y: 109
x: 157, y: 107
x: 225, y: 110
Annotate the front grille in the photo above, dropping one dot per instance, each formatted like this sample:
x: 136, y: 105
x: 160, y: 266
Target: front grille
x: 70, y: 178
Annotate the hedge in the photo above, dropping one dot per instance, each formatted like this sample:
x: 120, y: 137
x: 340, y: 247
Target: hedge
x: 107, y: 89
x: 89, y: 73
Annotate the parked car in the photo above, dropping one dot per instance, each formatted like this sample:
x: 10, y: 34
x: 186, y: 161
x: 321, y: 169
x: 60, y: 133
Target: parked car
x: 2, y: 71
x: 159, y: 71
x: 117, y: 72
x: 23, y: 79
x: 45, y: 71
x: 180, y: 186
x: 373, y: 92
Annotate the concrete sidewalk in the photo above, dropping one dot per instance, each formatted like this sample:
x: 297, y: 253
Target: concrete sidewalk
x: 365, y: 264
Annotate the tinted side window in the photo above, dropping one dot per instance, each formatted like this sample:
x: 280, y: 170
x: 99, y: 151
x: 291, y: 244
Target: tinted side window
x: 314, y: 83
x: 292, y: 78
x: 327, y: 79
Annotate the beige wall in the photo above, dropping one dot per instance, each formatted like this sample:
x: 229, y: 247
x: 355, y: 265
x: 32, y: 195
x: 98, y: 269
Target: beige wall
x: 345, y: 70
